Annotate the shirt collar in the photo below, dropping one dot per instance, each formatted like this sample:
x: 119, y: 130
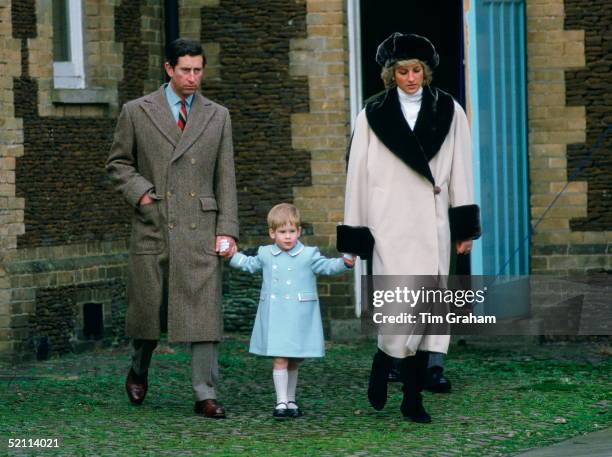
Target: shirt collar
x: 295, y: 250
x: 173, y: 98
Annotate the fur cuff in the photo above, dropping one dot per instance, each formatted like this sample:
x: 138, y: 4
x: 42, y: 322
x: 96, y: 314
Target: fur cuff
x: 355, y: 240
x: 464, y: 222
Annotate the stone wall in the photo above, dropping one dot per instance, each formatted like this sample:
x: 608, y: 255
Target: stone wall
x: 280, y: 67
x: 67, y: 237
x: 572, y: 237
x: 591, y: 87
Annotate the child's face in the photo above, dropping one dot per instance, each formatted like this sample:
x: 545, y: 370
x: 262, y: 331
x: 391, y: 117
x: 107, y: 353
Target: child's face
x: 286, y: 236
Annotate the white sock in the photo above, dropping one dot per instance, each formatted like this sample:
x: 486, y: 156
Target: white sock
x: 291, y: 385
x: 280, y: 378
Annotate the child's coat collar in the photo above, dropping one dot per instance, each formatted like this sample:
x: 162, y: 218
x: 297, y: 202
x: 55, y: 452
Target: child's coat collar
x: 295, y: 250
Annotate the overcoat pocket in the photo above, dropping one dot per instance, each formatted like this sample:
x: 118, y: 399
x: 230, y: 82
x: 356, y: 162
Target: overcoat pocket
x: 147, y: 237
x: 208, y: 203
x: 307, y: 296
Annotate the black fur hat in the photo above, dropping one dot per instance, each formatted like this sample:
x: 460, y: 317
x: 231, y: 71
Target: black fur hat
x: 400, y: 46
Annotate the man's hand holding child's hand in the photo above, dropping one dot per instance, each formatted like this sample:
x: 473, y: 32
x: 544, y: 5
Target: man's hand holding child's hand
x: 225, y: 246
x: 349, y: 260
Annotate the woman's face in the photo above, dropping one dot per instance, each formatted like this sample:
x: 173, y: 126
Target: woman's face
x: 409, y: 77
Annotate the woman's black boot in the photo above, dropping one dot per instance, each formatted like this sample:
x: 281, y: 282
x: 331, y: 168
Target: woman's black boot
x: 377, y: 385
x: 413, y: 375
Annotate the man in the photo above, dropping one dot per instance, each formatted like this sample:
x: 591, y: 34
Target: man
x: 172, y: 160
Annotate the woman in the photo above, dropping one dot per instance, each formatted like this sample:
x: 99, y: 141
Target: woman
x: 409, y: 181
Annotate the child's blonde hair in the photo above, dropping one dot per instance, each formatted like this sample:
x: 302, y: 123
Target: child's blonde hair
x: 283, y: 214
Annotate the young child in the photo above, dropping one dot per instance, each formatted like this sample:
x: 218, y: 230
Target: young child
x: 288, y: 323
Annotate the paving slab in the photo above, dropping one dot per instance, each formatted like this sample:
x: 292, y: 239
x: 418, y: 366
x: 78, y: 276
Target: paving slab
x: 597, y: 444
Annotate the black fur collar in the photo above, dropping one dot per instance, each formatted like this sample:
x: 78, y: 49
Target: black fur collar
x: 416, y: 148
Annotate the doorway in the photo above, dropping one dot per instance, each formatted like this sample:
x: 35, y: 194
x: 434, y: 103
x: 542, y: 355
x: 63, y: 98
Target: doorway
x: 441, y: 21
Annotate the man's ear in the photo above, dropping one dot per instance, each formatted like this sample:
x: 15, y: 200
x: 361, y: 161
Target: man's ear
x: 299, y: 231
x: 169, y: 69
x: 272, y: 233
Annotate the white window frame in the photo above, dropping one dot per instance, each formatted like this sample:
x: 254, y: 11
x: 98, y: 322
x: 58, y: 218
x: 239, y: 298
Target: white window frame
x: 71, y: 75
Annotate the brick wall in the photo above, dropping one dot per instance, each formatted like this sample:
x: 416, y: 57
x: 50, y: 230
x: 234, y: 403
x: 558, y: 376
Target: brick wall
x: 557, y: 244
x: 280, y: 67
x: 324, y: 131
x: 590, y: 87
x: 11, y: 148
x: 69, y: 233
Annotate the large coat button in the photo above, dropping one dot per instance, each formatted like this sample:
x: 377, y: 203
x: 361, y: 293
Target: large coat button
x: 437, y: 190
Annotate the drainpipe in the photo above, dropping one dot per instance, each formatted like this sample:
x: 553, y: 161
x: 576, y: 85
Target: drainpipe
x: 171, y: 20
x: 171, y: 25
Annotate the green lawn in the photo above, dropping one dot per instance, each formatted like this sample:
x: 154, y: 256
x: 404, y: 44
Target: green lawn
x: 505, y: 400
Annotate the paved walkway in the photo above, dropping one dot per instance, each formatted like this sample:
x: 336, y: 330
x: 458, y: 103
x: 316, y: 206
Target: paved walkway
x: 597, y: 444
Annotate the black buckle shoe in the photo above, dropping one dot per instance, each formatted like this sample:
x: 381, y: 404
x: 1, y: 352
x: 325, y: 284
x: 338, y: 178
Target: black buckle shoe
x: 280, y: 413
x: 294, y: 412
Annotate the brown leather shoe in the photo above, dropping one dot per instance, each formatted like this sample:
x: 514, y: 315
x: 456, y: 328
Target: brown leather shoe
x: 210, y: 408
x: 136, y: 387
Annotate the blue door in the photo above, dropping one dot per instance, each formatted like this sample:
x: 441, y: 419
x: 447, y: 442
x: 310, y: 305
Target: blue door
x: 497, y: 76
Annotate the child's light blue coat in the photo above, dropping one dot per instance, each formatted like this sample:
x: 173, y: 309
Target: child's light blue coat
x: 288, y: 321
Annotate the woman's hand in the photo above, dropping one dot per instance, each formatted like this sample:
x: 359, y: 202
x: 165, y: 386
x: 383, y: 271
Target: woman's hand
x: 463, y: 247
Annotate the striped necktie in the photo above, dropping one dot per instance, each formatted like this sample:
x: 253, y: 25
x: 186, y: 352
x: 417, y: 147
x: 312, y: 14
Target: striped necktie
x: 182, y: 118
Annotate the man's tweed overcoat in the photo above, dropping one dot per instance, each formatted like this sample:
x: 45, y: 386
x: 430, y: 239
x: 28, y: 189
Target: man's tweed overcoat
x: 190, y: 176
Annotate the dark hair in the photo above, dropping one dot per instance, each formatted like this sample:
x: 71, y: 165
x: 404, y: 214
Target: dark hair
x: 183, y: 47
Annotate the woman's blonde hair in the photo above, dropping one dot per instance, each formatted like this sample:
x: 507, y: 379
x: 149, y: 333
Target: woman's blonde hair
x: 388, y: 73
x: 283, y: 214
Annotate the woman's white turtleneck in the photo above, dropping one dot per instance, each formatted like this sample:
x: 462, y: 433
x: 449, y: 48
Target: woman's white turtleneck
x: 411, y: 104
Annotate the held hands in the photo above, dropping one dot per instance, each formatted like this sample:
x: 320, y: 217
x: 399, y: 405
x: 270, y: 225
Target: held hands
x: 225, y: 246
x: 349, y: 260
x: 463, y: 247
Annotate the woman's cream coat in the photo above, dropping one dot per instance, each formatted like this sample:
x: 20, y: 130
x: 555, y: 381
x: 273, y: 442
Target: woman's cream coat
x: 409, y: 221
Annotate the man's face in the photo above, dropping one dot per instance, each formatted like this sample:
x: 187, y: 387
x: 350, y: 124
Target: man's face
x: 186, y: 75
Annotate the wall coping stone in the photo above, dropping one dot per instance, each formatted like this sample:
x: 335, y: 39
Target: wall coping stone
x: 83, y: 96
x: 74, y: 263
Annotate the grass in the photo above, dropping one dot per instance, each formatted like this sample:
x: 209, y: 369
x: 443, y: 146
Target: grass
x: 504, y: 400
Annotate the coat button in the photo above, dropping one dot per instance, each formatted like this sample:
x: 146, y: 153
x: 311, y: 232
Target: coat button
x: 168, y: 194
x: 272, y: 296
x: 170, y: 226
x: 192, y: 193
x: 274, y: 267
x: 193, y: 226
x: 193, y: 161
x: 289, y: 268
x: 289, y: 282
x: 437, y: 190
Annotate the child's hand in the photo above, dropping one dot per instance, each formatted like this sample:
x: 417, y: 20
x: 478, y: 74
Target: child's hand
x: 225, y: 246
x: 349, y: 260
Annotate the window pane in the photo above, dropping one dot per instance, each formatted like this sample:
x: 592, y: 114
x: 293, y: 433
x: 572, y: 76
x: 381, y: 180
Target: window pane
x: 61, y: 31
